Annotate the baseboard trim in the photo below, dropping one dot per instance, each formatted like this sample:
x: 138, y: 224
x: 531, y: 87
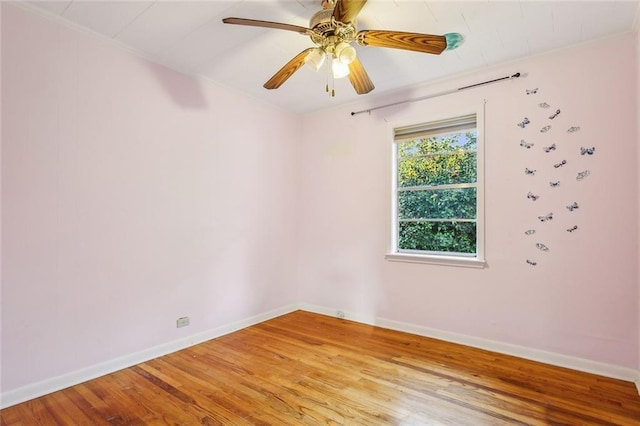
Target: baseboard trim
x: 45, y: 387
x: 332, y: 312
x: 552, y: 358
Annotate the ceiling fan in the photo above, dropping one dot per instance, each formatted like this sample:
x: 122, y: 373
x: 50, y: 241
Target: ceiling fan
x: 333, y: 30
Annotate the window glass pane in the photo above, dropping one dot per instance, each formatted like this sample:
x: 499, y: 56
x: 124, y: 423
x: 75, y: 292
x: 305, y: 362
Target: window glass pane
x: 448, y: 237
x: 439, y: 169
x: 448, y: 142
x: 436, y: 182
x: 437, y: 204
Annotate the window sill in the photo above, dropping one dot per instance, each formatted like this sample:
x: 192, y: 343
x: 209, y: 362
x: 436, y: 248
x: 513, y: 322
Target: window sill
x: 437, y: 260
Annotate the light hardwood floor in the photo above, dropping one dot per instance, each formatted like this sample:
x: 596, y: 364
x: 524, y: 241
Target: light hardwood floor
x: 309, y: 369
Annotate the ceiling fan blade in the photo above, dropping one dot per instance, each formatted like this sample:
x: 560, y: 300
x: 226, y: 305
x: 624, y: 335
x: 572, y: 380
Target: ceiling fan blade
x: 287, y: 71
x: 347, y: 10
x: 416, y: 42
x: 359, y: 78
x: 266, y: 24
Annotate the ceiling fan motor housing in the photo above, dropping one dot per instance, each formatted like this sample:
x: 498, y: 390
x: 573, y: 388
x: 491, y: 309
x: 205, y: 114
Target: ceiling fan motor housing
x: 327, y: 32
x: 321, y: 21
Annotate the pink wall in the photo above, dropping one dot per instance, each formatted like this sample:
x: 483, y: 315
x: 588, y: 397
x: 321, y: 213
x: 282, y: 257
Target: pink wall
x: 129, y: 199
x: 582, y: 298
x: 0, y: 201
x: 638, y: 141
x: 131, y: 195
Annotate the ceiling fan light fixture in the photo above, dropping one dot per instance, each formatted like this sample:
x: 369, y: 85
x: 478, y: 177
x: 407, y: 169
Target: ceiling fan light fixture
x: 345, y: 53
x: 339, y: 69
x: 454, y: 40
x: 333, y: 31
x: 315, y: 59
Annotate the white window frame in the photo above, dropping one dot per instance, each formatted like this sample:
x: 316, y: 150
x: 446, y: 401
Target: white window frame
x: 477, y: 261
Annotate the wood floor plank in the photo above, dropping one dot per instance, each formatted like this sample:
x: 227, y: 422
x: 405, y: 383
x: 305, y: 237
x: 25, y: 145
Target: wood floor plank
x: 207, y: 389
x: 70, y: 412
x: 520, y: 395
x: 309, y: 369
x: 92, y: 407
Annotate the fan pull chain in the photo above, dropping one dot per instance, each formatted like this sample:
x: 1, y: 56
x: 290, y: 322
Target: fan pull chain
x: 330, y: 76
x: 328, y: 71
x: 333, y: 80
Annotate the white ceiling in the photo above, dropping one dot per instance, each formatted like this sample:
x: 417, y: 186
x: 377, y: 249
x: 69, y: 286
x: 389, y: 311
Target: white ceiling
x: 189, y: 36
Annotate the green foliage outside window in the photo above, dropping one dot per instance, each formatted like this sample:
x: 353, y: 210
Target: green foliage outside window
x: 437, y: 193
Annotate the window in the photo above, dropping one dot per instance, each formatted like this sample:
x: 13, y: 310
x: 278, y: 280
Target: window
x: 437, y: 194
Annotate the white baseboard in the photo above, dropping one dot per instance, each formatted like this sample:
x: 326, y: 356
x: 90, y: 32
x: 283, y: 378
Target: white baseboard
x: 331, y: 312
x: 559, y: 360
x: 36, y: 390
x: 552, y: 358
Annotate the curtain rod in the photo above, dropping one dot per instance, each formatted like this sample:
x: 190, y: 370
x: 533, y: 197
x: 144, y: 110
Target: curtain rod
x: 516, y: 75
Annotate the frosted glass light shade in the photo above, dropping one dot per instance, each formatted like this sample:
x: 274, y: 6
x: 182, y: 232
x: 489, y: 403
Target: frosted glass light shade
x: 315, y: 59
x: 345, y: 52
x: 339, y: 69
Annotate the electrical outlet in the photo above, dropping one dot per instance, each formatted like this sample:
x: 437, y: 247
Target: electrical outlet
x: 339, y: 314
x: 182, y: 322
